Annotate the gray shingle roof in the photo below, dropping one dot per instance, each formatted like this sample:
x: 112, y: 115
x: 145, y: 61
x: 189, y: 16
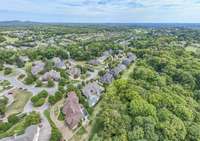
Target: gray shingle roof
x: 59, y: 63
x: 93, y: 92
x: 75, y: 72
x: 119, y: 68
x: 37, y: 67
x: 54, y: 75
x: 107, y: 78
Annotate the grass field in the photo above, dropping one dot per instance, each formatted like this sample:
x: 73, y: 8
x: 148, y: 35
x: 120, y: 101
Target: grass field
x: 16, y: 129
x: 191, y: 48
x: 20, y: 99
x: 21, y: 125
x: 127, y: 72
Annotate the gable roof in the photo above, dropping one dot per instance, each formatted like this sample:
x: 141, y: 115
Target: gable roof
x: 72, y: 110
x: 58, y: 63
x: 51, y: 75
x: 37, y: 67
x: 119, y: 68
x: 75, y: 72
x: 107, y: 78
x: 93, y: 92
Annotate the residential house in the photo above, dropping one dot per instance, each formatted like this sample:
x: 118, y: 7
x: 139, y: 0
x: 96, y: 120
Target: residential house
x: 70, y: 63
x: 118, y: 69
x: 107, y: 78
x: 94, y: 62
x: 24, y: 59
x: 73, y: 111
x: 104, y: 56
x: 130, y: 58
x: 54, y: 75
x: 37, y: 67
x: 75, y: 72
x: 93, y: 92
x: 58, y: 63
x: 126, y: 62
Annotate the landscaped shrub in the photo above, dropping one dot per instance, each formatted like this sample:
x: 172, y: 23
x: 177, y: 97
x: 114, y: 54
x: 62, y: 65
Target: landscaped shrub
x: 30, y: 79
x: 39, y: 99
x: 3, y: 103
x: 50, y: 83
x: 7, y: 71
x: 39, y: 103
x: 17, y: 125
x: 55, y: 98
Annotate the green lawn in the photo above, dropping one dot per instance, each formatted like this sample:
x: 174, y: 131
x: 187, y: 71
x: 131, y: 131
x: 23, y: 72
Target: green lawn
x: 20, y: 99
x: 4, y: 85
x: 16, y: 129
x: 78, y: 136
x: 128, y: 72
x: 20, y: 127
x: 191, y: 48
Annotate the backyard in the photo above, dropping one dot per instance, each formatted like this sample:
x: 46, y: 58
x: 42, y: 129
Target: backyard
x: 21, y: 97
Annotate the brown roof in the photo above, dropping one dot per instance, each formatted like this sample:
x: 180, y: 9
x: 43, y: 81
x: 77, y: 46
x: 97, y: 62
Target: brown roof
x: 72, y: 110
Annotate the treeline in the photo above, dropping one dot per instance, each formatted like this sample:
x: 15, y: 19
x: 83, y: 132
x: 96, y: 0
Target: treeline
x: 160, y: 101
x: 76, y: 51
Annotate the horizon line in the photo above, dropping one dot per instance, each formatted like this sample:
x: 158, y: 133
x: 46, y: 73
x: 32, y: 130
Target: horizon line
x: 41, y: 22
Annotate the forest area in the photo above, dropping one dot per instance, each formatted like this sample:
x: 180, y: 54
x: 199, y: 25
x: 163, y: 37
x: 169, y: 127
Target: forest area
x: 161, y: 99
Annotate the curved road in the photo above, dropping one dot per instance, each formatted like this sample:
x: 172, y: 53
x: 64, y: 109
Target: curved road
x: 45, y: 131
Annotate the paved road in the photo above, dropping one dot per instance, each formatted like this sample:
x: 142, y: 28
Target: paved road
x: 18, y: 84
x: 44, y: 132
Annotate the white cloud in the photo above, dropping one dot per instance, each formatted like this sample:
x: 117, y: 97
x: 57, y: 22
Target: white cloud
x: 102, y: 10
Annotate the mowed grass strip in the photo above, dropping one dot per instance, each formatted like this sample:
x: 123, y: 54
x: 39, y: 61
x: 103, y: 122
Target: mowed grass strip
x: 21, y: 97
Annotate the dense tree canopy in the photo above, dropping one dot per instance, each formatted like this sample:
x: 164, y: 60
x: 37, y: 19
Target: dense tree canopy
x: 159, y: 102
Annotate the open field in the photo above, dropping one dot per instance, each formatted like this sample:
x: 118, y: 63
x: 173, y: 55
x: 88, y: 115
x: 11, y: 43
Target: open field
x: 191, y: 48
x: 20, y: 99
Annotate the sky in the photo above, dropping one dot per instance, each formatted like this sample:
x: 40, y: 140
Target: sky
x: 101, y: 11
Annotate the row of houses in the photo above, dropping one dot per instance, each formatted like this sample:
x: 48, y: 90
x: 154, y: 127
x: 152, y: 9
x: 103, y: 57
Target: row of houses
x: 109, y: 76
x: 75, y: 112
x: 38, y: 66
x: 105, y: 55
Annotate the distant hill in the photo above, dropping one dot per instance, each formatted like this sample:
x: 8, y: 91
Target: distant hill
x: 17, y: 23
